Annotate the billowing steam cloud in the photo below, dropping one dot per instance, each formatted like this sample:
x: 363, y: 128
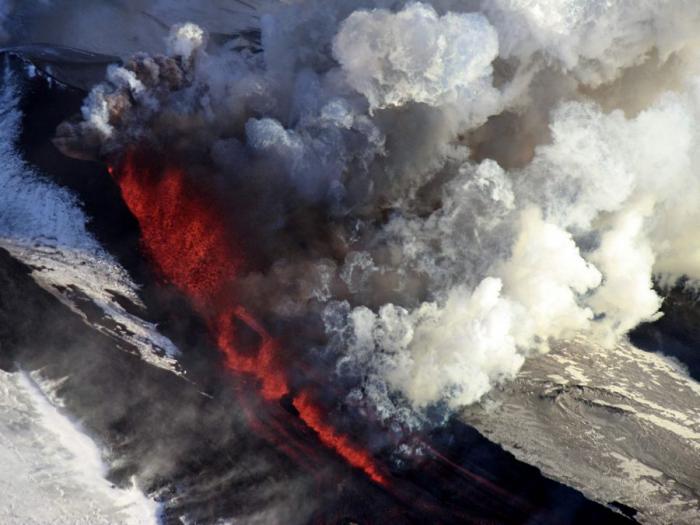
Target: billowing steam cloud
x: 417, y: 56
x: 442, y: 188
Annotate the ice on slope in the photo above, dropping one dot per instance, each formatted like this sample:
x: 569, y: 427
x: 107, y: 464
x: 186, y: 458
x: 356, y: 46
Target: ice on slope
x: 42, y: 225
x: 51, y: 471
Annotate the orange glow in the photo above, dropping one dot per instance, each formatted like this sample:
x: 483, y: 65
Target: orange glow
x: 189, y: 244
x: 262, y: 364
x: 358, y: 458
x: 182, y: 233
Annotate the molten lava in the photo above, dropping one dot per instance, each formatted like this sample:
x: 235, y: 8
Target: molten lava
x: 180, y: 231
x: 313, y: 417
x: 191, y: 246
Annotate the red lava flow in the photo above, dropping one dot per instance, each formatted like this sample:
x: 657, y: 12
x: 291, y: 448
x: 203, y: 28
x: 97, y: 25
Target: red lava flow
x: 190, y: 245
x: 358, y: 458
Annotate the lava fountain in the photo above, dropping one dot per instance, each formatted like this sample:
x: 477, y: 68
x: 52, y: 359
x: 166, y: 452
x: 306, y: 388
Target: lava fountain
x: 191, y: 246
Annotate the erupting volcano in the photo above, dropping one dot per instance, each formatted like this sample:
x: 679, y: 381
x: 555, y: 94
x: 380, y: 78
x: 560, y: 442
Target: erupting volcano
x: 354, y: 262
x: 186, y: 238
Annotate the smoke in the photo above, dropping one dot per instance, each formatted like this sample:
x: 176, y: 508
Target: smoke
x: 436, y: 191
x: 595, y: 39
x: 417, y: 56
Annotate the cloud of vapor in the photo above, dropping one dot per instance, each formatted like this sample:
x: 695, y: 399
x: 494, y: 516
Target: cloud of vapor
x: 442, y: 188
x: 594, y: 39
x: 385, y: 60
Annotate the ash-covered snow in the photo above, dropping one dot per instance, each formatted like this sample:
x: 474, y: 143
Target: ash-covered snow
x: 620, y: 425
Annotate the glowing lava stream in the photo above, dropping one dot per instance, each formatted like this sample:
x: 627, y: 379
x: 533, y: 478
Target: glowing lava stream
x: 188, y: 242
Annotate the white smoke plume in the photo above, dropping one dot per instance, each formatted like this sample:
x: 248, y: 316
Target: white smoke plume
x: 594, y: 39
x: 417, y: 56
x: 488, y: 175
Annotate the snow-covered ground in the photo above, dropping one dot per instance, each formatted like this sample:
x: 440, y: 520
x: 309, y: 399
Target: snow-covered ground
x: 43, y: 225
x: 618, y: 424
x: 51, y: 471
